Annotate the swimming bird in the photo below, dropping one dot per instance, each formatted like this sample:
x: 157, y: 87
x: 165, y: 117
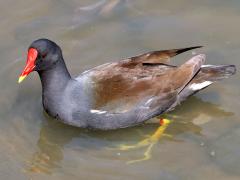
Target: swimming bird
x: 118, y: 94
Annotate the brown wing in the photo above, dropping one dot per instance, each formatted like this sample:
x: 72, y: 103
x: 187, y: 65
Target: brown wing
x: 162, y: 56
x: 121, y: 86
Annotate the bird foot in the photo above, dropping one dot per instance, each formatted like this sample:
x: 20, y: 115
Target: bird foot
x: 148, y: 142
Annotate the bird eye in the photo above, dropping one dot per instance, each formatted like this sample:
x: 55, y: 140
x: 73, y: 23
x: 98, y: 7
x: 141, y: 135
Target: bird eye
x: 44, y: 55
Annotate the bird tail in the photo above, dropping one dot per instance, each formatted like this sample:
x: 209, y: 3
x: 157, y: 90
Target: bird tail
x: 207, y: 75
x: 216, y: 72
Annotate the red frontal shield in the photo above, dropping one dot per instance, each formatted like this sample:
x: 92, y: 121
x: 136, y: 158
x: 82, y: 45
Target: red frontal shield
x: 30, y: 65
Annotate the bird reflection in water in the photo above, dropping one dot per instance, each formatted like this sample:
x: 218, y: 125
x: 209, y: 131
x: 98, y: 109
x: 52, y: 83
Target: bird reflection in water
x: 52, y: 138
x: 55, y: 135
x: 182, y: 120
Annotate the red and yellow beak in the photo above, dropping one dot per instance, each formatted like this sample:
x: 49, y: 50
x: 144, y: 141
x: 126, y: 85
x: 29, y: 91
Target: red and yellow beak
x: 30, y: 65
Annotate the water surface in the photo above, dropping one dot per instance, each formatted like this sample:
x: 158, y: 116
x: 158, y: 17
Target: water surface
x: 205, y: 130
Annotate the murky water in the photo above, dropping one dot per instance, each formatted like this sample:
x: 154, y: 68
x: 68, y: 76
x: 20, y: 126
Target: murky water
x: 204, y: 141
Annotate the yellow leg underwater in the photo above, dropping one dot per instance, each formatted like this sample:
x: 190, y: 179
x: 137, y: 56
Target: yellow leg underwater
x: 148, y: 142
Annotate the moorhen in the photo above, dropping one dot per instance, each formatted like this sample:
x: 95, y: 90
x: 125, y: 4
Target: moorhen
x: 118, y: 94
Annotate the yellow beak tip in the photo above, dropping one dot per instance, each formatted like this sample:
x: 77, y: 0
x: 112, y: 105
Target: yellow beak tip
x: 21, y: 78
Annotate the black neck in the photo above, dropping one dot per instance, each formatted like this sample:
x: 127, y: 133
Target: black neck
x: 56, y: 78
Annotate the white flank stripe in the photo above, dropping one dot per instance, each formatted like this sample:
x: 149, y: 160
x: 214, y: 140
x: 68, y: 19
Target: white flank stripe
x: 97, y: 111
x: 149, y: 101
x: 198, y: 86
